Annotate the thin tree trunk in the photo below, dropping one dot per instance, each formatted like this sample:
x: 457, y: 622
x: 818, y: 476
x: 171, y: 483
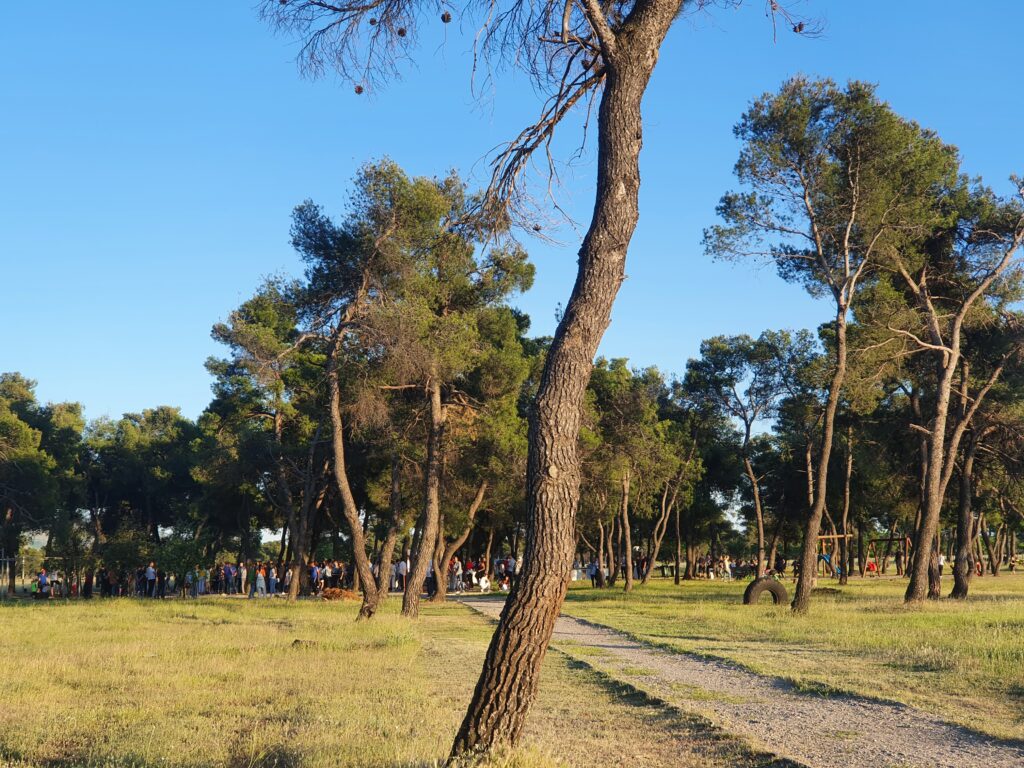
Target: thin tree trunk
x: 508, y: 682
x: 988, y: 550
x: 668, y: 504
x: 809, y: 553
x: 679, y: 545
x: 963, y: 563
x: 432, y: 503
x: 11, y: 542
x: 862, y: 562
x: 387, y: 551
x: 627, y: 532
x: 942, y: 452
x: 454, y: 545
x: 487, y: 556
x: 844, y: 542
x: 615, y: 549
x: 371, y: 598
x: 758, y: 512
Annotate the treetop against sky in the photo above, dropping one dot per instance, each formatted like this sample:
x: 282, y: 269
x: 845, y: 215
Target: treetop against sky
x: 152, y: 155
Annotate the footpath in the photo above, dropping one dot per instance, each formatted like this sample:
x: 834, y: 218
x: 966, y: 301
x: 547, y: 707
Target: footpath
x: 834, y: 731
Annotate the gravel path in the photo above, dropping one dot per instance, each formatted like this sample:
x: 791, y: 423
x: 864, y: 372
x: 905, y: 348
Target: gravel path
x: 820, y: 731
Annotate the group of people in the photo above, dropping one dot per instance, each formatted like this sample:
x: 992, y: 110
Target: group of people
x: 460, y: 577
x: 253, y: 578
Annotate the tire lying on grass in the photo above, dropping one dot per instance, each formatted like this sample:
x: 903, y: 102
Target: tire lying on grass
x: 765, y: 584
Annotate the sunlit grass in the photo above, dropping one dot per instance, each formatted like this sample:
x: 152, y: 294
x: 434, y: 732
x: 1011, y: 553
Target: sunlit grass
x: 961, y: 660
x: 224, y: 682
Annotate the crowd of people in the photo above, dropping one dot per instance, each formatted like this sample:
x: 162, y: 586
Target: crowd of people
x: 259, y: 579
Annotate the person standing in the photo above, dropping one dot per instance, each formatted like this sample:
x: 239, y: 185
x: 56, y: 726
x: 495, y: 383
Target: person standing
x: 151, y: 580
x: 261, y: 580
x: 272, y: 579
x: 403, y: 573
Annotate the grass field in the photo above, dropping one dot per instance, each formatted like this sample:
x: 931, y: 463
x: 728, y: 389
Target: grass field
x: 225, y: 682
x: 963, y: 661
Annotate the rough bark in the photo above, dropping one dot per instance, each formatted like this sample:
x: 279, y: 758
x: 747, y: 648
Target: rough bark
x: 508, y: 682
x: 371, y: 598
x: 432, y: 503
x: 963, y: 563
x: 942, y: 450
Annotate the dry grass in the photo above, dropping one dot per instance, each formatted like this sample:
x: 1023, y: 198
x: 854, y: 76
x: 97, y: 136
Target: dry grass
x: 225, y: 682
x: 963, y: 661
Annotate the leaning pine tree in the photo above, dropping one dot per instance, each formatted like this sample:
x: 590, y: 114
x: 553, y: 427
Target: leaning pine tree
x: 581, y: 51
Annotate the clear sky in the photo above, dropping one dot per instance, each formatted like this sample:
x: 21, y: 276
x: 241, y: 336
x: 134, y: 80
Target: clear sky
x: 151, y: 153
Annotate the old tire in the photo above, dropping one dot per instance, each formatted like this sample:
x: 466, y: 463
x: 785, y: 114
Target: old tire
x: 765, y: 584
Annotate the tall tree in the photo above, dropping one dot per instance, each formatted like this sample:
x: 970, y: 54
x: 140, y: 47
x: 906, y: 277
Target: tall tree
x: 834, y: 179
x: 28, y: 488
x: 406, y: 295
x: 596, y: 52
x: 964, y: 273
x: 744, y: 378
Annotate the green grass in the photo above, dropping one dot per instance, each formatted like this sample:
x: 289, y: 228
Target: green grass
x: 223, y: 682
x: 963, y: 661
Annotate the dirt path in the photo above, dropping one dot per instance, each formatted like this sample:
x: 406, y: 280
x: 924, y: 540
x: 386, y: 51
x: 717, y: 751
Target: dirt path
x: 820, y: 731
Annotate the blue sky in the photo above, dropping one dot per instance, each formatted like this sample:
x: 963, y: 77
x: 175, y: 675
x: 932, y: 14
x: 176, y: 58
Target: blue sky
x: 151, y: 153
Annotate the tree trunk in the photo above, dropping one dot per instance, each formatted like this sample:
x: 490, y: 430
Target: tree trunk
x: 963, y: 564
x: 600, y: 554
x: 487, y: 555
x: 661, y: 525
x: 809, y: 553
x: 934, y: 574
x: 348, y: 503
x: 758, y: 512
x: 432, y: 503
x: 627, y: 532
x: 614, y: 550
x: 996, y: 555
x: 844, y: 542
x: 453, y: 546
x: 679, y: 546
x: 989, y: 551
x: 11, y: 545
x: 387, y: 551
x: 508, y: 682
x: 862, y: 562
